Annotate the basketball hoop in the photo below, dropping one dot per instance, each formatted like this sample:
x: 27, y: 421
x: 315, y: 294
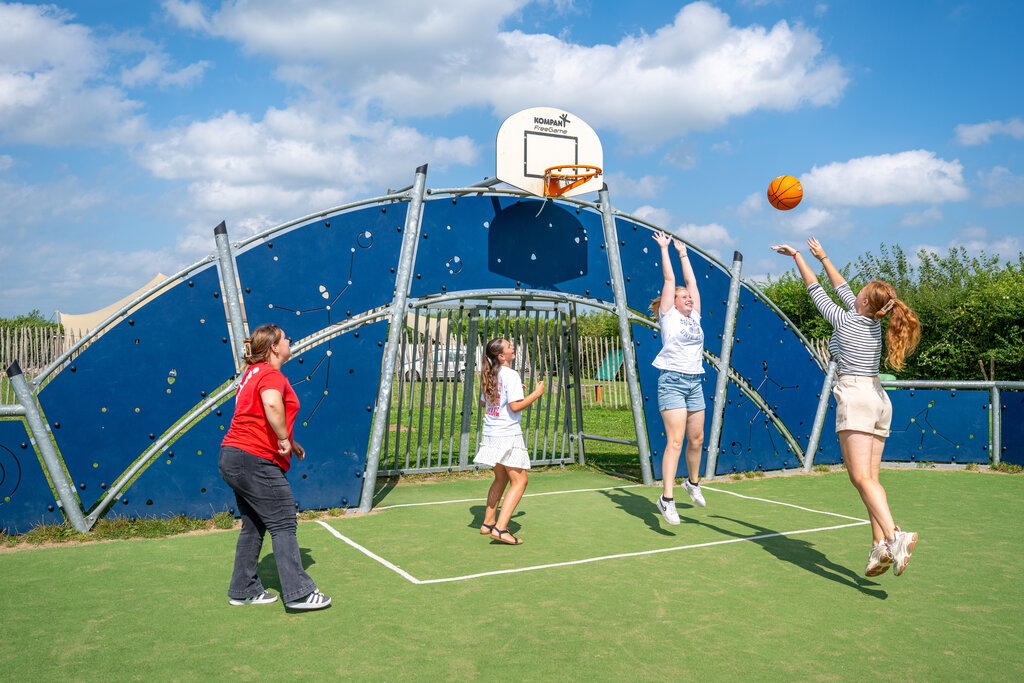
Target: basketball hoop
x: 560, y: 179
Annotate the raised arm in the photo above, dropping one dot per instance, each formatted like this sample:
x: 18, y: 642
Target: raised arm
x: 688, y: 276
x: 818, y: 252
x: 805, y: 270
x: 668, y: 290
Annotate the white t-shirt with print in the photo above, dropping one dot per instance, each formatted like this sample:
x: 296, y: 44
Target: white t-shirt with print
x: 682, y: 342
x: 500, y: 420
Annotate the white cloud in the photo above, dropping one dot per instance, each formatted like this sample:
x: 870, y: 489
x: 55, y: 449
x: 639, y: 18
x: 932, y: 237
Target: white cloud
x: 976, y: 239
x: 682, y: 156
x: 916, y: 218
x: 58, y: 84
x: 190, y: 15
x: 811, y: 219
x: 155, y: 69
x: 659, y: 217
x: 902, y: 178
x: 981, y: 133
x: 694, y: 73
x: 6, y: 162
x: 621, y: 185
x: 753, y: 205
x: 710, y: 237
x: 1004, y: 187
x: 295, y: 158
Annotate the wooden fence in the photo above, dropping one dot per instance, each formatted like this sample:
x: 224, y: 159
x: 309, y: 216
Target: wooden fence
x: 34, y: 348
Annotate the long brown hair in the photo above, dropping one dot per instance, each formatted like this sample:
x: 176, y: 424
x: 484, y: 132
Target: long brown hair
x: 492, y: 366
x: 656, y: 303
x: 257, y: 345
x: 904, y: 327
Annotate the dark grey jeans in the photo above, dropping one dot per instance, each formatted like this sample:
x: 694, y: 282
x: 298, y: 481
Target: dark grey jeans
x: 265, y: 503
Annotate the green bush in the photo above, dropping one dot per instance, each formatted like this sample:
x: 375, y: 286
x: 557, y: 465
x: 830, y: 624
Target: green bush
x: 971, y: 309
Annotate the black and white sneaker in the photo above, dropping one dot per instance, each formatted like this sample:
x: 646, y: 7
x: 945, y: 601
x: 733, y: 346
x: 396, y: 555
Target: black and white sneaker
x: 315, y: 600
x: 264, y: 598
x: 668, y: 510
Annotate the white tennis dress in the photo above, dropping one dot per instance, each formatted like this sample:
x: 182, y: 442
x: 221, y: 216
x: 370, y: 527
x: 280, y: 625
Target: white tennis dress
x: 502, y: 440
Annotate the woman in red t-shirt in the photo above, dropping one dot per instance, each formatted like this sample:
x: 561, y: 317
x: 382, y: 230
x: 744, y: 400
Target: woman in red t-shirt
x: 254, y: 456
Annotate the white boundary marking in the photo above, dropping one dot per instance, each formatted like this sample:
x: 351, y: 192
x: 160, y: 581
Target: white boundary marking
x: 525, y: 495
x: 412, y: 579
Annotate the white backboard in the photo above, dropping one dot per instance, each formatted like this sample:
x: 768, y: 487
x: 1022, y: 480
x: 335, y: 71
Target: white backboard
x: 535, y: 139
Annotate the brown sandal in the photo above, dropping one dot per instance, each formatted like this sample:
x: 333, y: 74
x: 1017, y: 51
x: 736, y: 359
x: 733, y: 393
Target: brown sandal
x: 490, y: 528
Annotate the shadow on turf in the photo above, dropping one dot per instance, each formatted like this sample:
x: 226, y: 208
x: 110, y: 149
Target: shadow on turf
x: 478, y: 512
x: 793, y: 550
x: 803, y: 554
x: 267, y: 569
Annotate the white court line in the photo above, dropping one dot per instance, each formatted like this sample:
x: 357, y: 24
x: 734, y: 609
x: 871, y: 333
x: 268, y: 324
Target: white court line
x: 406, y: 575
x: 789, y: 505
x: 525, y: 495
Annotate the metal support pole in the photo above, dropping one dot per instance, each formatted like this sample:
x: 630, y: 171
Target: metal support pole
x: 577, y: 382
x: 41, y: 435
x: 403, y: 280
x: 997, y: 426
x: 611, y: 241
x: 819, y: 416
x: 468, y: 387
x: 724, y: 360
x: 232, y: 296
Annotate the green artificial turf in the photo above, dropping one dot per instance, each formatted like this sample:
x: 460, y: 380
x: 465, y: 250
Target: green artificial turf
x: 785, y: 607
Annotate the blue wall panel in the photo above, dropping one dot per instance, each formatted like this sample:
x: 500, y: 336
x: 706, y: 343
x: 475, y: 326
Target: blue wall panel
x: 323, y: 272
x: 501, y: 242
x: 25, y: 496
x: 137, y: 380
x: 336, y: 383
x: 938, y: 426
x: 1013, y: 426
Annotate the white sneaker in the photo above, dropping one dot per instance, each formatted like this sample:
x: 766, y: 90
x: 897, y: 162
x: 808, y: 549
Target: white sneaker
x: 315, y: 600
x: 695, y: 494
x: 264, y: 598
x: 879, y: 560
x: 901, y: 548
x: 668, y: 510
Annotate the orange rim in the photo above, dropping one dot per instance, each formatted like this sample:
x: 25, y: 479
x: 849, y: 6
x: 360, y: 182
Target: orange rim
x: 560, y: 179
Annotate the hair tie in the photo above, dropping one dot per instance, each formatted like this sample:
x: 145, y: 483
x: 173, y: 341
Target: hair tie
x: 888, y: 307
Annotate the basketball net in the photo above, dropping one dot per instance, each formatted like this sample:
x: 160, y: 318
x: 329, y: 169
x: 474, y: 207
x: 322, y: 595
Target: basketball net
x: 560, y: 179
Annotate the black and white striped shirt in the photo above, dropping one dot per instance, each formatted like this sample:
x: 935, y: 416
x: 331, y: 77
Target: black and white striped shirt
x: 856, y: 343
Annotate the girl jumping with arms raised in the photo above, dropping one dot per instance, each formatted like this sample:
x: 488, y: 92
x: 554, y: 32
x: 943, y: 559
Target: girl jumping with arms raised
x: 680, y: 394
x: 863, y: 410
x: 501, y: 445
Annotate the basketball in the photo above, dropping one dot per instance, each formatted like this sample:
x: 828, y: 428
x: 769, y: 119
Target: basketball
x: 785, y: 192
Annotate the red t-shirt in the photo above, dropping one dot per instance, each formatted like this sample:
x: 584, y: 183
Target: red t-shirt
x: 250, y: 431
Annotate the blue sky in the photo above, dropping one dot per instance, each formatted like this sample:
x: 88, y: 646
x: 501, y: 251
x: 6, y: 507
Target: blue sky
x: 128, y: 129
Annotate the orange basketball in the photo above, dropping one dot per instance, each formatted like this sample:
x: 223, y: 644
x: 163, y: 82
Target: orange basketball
x: 785, y: 192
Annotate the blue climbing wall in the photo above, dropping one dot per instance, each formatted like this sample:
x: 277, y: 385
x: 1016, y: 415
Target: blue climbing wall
x: 25, y: 498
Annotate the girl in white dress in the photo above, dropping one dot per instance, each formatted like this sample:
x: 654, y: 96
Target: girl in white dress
x: 501, y: 445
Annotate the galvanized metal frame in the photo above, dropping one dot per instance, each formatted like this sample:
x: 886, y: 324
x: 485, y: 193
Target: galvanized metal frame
x: 611, y: 240
x: 723, y: 365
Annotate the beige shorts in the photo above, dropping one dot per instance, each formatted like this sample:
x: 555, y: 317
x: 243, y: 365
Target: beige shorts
x: 862, y: 405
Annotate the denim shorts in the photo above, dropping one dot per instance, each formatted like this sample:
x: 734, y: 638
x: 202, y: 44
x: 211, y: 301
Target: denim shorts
x: 679, y: 390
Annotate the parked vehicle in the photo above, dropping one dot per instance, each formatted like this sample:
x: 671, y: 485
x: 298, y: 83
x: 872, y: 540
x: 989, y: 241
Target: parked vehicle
x: 435, y: 366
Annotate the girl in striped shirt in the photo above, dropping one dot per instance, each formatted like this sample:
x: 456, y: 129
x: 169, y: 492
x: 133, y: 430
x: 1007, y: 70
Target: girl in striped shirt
x: 863, y: 410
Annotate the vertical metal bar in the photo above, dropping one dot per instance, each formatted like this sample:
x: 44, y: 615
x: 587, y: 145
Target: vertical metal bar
x: 413, y: 383
x: 611, y: 240
x: 483, y: 345
x: 232, y: 296
x: 997, y: 426
x: 468, y: 399
x: 564, y: 386
x: 444, y: 386
x: 819, y: 416
x: 434, y: 357
x: 548, y: 383
x: 403, y: 280
x: 724, y: 359
x: 576, y: 380
x: 41, y: 435
x: 455, y: 393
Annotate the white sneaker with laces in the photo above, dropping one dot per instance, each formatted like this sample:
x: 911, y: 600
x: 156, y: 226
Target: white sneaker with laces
x: 668, y: 510
x: 901, y: 548
x: 315, y: 600
x: 695, y: 493
x: 879, y: 560
x: 264, y: 598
